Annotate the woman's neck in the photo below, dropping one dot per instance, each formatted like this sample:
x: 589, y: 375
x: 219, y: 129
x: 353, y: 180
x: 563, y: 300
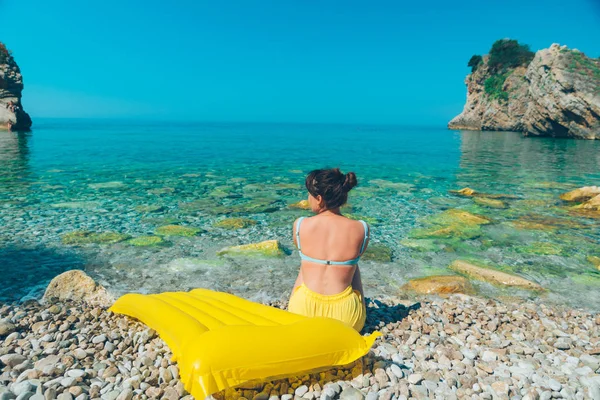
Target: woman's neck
x: 330, y: 212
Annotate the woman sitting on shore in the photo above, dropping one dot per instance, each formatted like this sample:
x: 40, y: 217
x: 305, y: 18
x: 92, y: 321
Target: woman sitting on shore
x: 330, y: 245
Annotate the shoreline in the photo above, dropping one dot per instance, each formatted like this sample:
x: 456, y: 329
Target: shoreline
x: 455, y: 347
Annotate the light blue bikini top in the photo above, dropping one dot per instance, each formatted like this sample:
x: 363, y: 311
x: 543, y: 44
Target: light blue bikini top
x: 354, y: 261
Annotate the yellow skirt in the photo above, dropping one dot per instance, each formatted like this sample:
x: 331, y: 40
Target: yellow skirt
x: 346, y: 306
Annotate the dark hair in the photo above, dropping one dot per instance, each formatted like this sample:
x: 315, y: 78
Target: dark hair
x: 332, y: 185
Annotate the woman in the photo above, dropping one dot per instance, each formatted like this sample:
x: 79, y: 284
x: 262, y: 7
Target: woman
x: 330, y: 246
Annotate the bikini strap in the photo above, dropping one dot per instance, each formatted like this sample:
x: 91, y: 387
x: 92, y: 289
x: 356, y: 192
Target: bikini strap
x: 298, y: 231
x: 362, y: 248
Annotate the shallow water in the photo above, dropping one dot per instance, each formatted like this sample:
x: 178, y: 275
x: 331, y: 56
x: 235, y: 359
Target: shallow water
x: 70, y: 176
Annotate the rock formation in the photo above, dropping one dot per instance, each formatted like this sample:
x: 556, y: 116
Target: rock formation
x: 76, y: 285
x: 492, y: 276
x: 557, y: 94
x: 11, y: 86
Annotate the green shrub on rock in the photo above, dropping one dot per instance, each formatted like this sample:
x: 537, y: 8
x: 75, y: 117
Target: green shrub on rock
x: 494, y: 86
x: 4, y: 53
x: 475, y: 62
x: 508, y: 53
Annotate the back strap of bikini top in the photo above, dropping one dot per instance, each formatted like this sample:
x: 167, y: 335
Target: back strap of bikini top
x: 364, y: 224
x: 298, y: 232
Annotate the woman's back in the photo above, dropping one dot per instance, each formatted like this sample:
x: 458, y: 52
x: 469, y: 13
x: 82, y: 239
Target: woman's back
x: 328, y: 284
x: 329, y: 238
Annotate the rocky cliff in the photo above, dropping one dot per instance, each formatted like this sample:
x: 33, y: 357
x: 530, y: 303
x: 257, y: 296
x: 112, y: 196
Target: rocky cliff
x: 11, y: 85
x: 556, y: 94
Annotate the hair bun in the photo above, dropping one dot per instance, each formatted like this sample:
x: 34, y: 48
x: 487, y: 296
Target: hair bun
x: 350, y: 181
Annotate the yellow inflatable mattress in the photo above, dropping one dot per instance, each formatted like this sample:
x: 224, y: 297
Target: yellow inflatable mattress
x: 221, y: 341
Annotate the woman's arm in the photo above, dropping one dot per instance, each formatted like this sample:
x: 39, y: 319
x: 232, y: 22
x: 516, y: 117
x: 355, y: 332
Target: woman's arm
x: 299, y: 279
x: 368, y: 236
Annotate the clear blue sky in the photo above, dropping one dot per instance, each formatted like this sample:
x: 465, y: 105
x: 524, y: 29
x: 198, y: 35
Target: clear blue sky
x: 271, y: 60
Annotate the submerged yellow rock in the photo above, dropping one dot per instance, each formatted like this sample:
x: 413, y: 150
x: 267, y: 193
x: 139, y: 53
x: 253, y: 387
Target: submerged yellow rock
x: 302, y: 204
x: 452, y: 223
x: 595, y: 261
x: 143, y: 241
x: 446, y: 232
x: 440, y: 284
x: 456, y: 216
x: 177, y: 230
x: 593, y: 204
x: 546, y: 223
x: 235, y: 223
x: 487, y: 202
x: 85, y: 237
x: 492, y: 276
x: 464, y: 192
x: 582, y: 194
x: 268, y: 248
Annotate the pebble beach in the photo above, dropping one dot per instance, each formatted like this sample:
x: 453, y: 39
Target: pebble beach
x: 459, y: 347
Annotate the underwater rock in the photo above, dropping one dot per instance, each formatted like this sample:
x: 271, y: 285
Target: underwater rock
x: 383, y: 184
x: 579, y: 212
x: 377, y: 252
x: 464, y: 192
x: 160, y: 220
x: 143, y: 241
x: 541, y: 248
x: 224, y: 192
x: 545, y: 223
x: 85, y: 237
x: 452, y: 223
x: 368, y: 220
x: 592, y: 204
x: 439, y: 284
x: 456, y: 216
x: 582, y: 194
x: 590, y: 278
x: 149, y: 208
x: 76, y: 204
x: 107, y: 185
x: 488, y: 202
x: 234, y: 223
x: 191, y: 264
x: 255, y: 206
x: 161, y: 191
x: 492, y: 276
x: 533, y: 225
x: 287, y: 186
x: 268, y: 248
x: 197, y: 205
x: 76, y: 285
x: 452, y: 231
x: 302, y: 205
x: 177, y: 230
x: 468, y: 192
x: 422, y: 244
x: 259, y: 205
x: 595, y: 260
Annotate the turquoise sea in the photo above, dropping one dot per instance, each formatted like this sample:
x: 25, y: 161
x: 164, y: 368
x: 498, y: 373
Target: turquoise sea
x: 131, y: 178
